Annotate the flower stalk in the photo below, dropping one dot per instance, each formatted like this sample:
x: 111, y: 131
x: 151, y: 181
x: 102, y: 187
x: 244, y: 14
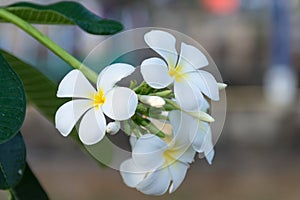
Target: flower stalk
x: 50, y: 44
x: 148, y: 125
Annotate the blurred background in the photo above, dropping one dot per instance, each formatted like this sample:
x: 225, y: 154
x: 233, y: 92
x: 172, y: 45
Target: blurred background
x: 256, y: 46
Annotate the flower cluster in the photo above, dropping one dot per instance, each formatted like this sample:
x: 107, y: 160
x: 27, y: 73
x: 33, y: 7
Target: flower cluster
x: 166, y: 129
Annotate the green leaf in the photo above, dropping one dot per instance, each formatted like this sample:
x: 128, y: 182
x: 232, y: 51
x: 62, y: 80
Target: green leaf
x: 64, y: 13
x: 12, y: 161
x: 28, y: 188
x: 12, y: 102
x: 40, y: 91
x: 102, y: 151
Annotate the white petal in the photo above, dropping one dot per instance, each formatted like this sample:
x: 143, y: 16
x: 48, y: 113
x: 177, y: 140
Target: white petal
x: 198, y: 138
x: 131, y: 175
x: 155, y: 73
x: 204, y: 106
x: 191, y: 58
x: 69, y: 113
x: 205, y: 82
x: 175, y: 119
x: 74, y: 84
x: 164, y: 44
x: 210, y: 156
x: 156, y: 183
x: 92, y: 127
x: 183, y: 125
x: 188, y: 96
x: 208, y: 147
x: 178, y: 171
x: 120, y: 103
x: 113, y: 74
x: 148, y: 152
x: 202, y: 142
x: 187, y: 156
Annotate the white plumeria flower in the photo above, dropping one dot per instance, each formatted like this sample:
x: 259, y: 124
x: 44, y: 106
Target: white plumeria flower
x: 158, y: 165
x: 189, y: 83
x: 199, y: 132
x: 118, y: 103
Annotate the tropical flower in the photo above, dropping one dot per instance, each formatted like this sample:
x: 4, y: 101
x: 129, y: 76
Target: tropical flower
x: 158, y: 165
x: 200, y: 134
x: 118, y: 103
x: 189, y: 83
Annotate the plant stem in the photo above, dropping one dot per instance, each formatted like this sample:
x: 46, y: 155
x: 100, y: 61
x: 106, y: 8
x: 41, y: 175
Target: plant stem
x: 140, y: 86
x: 148, y: 125
x: 50, y: 44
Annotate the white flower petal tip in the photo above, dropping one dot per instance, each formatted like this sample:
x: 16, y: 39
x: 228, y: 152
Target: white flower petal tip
x: 113, y: 74
x: 202, y: 116
x: 210, y: 156
x: 191, y: 58
x: 74, y: 84
x: 130, y: 173
x: 222, y: 86
x: 155, y: 73
x: 153, y: 101
x: 120, y: 104
x: 178, y: 171
x: 69, y: 113
x: 205, y: 82
x: 113, y: 128
x: 164, y: 44
x: 156, y: 34
x: 92, y: 127
x: 156, y: 183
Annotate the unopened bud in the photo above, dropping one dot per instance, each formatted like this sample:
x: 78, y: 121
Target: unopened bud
x: 203, y: 116
x: 113, y: 127
x: 222, y: 86
x: 154, y: 101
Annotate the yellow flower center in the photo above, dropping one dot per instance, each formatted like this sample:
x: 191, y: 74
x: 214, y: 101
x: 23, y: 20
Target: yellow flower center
x: 168, y: 155
x: 99, y: 98
x: 176, y: 73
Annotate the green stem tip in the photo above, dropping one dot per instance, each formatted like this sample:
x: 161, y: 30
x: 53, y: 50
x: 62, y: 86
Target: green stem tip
x: 50, y: 44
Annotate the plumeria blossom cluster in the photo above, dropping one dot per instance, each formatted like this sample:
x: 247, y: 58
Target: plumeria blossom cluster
x: 166, y: 116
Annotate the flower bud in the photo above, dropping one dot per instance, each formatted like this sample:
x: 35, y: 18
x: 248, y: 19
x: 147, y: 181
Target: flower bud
x: 203, y: 116
x: 153, y: 101
x: 222, y: 86
x: 113, y: 127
